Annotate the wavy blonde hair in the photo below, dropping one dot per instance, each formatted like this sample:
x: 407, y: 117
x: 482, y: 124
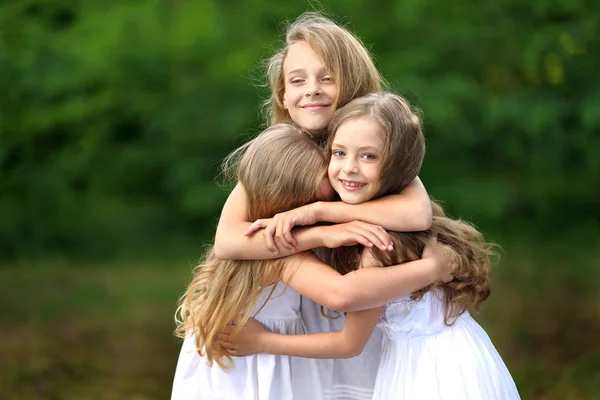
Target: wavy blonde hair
x: 344, y: 55
x: 281, y: 169
x: 401, y: 161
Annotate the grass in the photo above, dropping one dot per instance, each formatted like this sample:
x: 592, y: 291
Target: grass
x: 104, y: 331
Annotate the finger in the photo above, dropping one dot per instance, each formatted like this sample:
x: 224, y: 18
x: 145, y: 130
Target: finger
x: 385, y: 237
x: 255, y: 226
x: 224, y: 338
x: 361, y: 239
x: 280, y: 236
x: 382, y: 240
x: 269, y: 241
x: 284, y: 244
x: 287, y: 232
x: 372, y: 237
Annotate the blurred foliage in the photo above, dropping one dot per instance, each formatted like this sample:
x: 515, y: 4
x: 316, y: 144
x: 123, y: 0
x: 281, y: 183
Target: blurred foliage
x: 114, y: 115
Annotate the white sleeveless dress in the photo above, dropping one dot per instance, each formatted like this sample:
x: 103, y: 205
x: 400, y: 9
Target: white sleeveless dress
x: 422, y: 358
x: 255, y: 377
x: 344, y: 379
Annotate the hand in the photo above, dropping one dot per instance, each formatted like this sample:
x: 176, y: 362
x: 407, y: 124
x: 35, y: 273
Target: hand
x: 246, y: 342
x: 357, y: 232
x: 444, y: 257
x: 278, y: 230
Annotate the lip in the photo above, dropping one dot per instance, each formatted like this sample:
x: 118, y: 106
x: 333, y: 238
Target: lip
x: 315, y: 106
x: 346, y: 185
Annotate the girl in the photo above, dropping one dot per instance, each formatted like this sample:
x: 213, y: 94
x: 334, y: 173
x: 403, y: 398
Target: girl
x: 224, y: 291
x: 321, y: 68
x: 432, y: 347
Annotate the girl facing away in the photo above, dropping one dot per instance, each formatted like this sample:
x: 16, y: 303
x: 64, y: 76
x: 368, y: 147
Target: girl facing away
x: 432, y: 347
x: 222, y: 291
x: 321, y: 67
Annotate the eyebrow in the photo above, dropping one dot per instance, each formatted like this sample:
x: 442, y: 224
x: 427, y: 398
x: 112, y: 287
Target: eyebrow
x: 341, y: 146
x: 303, y: 71
x: 296, y: 71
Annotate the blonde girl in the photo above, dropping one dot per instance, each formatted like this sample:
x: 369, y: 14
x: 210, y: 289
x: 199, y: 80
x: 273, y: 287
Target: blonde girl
x: 321, y: 67
x: 223, y: 291
x: 432, y: 347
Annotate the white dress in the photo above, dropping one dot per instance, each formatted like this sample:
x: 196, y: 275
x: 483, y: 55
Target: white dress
x: 260, y: 376
x: 422, y: 358
x: 344, y: 379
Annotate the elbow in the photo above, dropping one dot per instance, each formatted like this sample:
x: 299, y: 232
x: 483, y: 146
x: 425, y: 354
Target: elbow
x: 356, y: 351
x: 352, y: 350
x: 342, y: 301
x: 424, y: 218
x: 223, y: 251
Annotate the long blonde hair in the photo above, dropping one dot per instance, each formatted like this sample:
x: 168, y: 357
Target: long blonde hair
x: 345, y: 57
x: 280, y: 169
x: 401, y: 161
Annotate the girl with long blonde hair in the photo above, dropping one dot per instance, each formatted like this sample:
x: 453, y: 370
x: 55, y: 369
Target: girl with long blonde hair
x: 320, y: 68
x: 223, y: 291
x: 432, y: 347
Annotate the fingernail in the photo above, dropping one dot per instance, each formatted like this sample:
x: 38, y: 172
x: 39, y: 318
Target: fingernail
x: 391, y: 246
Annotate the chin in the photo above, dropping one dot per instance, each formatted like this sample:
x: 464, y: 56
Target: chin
x: 315, y: 129
x: 352, y: 200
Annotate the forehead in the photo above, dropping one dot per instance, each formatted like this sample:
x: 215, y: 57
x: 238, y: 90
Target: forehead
x: 360, y: 131
x: 300, y: 55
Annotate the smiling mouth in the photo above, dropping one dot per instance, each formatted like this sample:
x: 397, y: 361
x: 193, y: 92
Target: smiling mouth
x: 315, y: 107
x: 351, y: 185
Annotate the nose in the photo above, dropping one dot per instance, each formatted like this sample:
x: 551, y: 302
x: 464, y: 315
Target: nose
x: 313, y: 88
x: 350, y: 167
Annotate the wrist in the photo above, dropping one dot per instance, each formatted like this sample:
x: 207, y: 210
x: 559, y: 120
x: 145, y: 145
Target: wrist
x: 318, y: 209
x: 320, y: 235
x: 263, y: 343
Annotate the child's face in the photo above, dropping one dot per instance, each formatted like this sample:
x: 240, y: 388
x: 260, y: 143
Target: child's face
x: 309, y: 90
x: 356, y: 155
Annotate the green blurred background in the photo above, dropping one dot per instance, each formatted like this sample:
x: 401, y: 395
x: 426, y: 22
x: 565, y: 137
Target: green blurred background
x: 114, y: 116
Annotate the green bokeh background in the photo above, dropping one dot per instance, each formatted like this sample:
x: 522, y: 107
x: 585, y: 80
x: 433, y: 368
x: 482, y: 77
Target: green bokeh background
x: 115, y: 115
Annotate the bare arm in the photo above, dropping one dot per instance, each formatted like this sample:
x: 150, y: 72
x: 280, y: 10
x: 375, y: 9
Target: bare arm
x: 405, y: 212
x: 364, y: 288
x: 348, y: 342
x: 232, y: 244
x: 408, y: 211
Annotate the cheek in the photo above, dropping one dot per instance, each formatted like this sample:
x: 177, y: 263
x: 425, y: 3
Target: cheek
x: 332, y: 92
x: 332, y: 171
x: 375, y: 175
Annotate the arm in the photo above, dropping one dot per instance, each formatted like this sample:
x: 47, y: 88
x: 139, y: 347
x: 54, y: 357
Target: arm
x: 364, y: 288
x: 405, y: 212
x: 408, y: 211
x: 232, y: 244
x: 349, y: 342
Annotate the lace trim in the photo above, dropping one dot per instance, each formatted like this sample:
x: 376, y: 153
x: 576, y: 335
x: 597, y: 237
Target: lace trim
x: 408, y: 326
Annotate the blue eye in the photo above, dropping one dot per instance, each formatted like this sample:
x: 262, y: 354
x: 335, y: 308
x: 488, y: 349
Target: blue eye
x: 337, y: 153
x: 369, y: 157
